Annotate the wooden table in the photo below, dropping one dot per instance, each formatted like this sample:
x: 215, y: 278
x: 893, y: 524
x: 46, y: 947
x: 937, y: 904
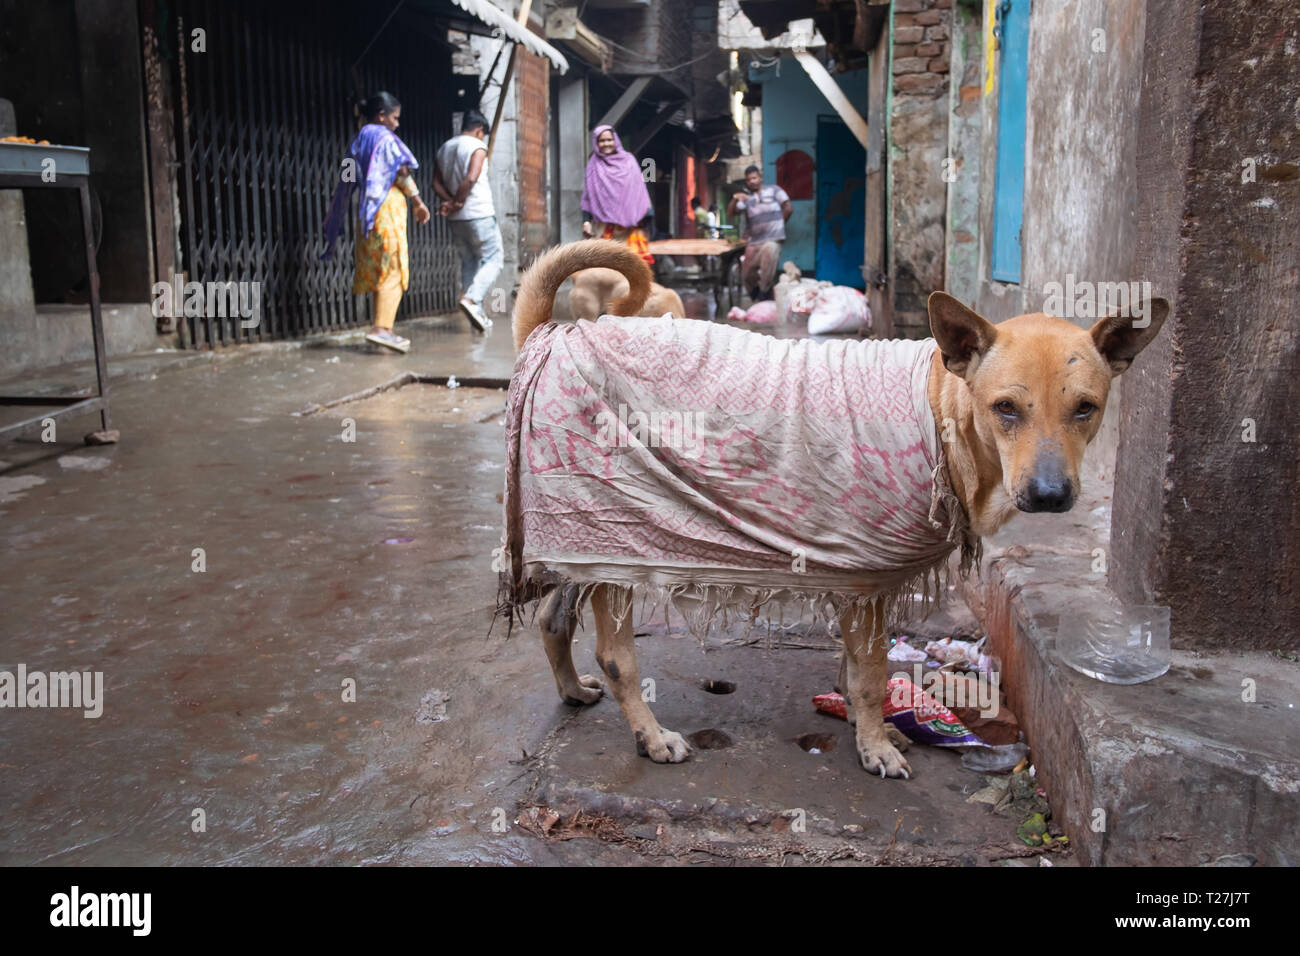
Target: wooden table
x: 27, y: 166
x: 720, y: 268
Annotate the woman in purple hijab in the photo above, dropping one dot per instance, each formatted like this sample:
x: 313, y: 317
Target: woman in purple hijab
x: 614, y: 199
x: 380, y: 165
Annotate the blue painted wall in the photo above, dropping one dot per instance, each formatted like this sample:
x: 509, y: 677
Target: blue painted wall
x: 791, y: 105
x: 1009, y: 184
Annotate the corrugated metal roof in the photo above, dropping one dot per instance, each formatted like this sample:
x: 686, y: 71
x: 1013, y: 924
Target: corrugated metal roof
x: 496, y: 17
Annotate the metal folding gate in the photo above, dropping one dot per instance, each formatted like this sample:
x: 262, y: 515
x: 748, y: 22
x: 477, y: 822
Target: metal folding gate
x: 265, y: 117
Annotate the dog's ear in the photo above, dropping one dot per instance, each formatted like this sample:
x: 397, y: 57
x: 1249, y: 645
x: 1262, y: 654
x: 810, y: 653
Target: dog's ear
x: 1119, y: 338
x: 963, y: 335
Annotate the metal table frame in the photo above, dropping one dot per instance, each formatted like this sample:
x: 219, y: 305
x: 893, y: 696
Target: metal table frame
x: 726, y: 273
x: 32, y: 179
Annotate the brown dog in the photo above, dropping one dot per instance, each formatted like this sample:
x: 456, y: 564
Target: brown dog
x: 1017, y: 403
x: 596, y: 290
x: 537, y: 290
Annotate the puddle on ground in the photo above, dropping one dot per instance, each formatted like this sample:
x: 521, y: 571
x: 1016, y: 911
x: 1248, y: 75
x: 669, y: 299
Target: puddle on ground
x: 718, y: 686
x: 435, y: 404
x: 709, y: 739
x: 817, y: 743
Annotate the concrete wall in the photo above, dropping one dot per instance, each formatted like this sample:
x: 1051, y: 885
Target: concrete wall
x: 17, y: 306
x: 1085, y: 69
x: 1206, y: 515
x: 53, y: 334
x: 791, y: 106
x: 112, y: 84
x: 72, y: 70
x: 45, y: 89
x: 37, y: 337
x: 1080, y: 150
x: 570, y: 133
x: 962, y: 254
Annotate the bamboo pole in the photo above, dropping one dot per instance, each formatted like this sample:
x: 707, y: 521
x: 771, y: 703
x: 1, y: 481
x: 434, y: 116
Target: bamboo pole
x: 510, y: 72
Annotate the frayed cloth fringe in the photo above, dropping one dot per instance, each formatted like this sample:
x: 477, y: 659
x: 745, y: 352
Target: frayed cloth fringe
x: 702, y: 606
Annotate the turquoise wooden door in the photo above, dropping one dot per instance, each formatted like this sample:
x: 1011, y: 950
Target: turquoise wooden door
x: 1009, y: 185
x: 841, y: 203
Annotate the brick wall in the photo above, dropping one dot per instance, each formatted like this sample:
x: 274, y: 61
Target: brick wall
x: 534, y: 100
x: 660, y: 34
x: 922, y: 46
x: 676, y: 30
x: 711, y: 97
x: 918, y: 144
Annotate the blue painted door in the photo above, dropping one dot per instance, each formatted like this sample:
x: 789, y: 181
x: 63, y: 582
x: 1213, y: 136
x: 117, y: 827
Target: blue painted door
x: 1009, y: 186
x: 841, y: 203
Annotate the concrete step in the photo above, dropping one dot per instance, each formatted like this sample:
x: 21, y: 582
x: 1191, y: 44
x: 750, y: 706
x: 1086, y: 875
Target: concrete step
x: 1200, y: 766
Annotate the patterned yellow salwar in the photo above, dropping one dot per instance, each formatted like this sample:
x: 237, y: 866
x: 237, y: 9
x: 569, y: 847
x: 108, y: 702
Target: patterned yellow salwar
x: 382, y: 256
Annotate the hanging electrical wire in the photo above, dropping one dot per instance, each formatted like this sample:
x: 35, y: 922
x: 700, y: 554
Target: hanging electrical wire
x: 643, y: 56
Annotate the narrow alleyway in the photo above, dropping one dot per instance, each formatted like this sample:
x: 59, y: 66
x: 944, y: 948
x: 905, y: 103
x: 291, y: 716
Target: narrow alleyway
x: 327, y: 561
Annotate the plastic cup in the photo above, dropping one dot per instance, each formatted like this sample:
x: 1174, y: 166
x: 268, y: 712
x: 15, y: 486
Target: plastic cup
x: 1118, y: 644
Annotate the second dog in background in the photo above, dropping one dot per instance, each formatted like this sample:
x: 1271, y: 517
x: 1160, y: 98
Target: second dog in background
x: 595, y: 292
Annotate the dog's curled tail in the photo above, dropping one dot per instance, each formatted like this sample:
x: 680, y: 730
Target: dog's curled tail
x: 544, y: 277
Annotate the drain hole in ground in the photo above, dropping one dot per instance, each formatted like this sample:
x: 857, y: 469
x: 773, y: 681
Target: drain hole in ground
x: 709, y: 739
x: 817, y: 743
x: 718, y: 686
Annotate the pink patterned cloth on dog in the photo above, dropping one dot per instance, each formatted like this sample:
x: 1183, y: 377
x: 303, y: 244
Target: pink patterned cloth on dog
x: 717, y: 467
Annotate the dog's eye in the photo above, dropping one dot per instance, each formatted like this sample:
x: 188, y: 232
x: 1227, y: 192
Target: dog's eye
x: 1085, y: 410
x: 1004, y: 407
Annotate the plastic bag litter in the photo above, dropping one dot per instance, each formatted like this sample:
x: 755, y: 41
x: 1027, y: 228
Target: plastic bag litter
x: 995, y: 759
x: 904, y: 653
x: 790, y: 283
x: 838, y: 309
x: 761, y: 313
x: 965, y: 654
x: 920, y: 717
x: 803, y: 298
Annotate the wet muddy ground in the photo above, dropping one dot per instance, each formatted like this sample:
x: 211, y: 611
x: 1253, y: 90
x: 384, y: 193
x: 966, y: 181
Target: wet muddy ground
x: 293, y: 619
x: 431, y: 404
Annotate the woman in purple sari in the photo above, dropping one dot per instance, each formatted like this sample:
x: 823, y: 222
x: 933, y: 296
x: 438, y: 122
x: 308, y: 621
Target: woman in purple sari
x: 614, y: 198
x: 382, y: 162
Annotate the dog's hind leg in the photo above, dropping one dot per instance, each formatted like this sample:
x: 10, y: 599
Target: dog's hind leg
x: 559, y: 616
x: 865, y: 676
x: 616, y: 652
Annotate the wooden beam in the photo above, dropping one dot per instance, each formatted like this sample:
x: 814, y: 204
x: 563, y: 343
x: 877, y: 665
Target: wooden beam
x: 563, y: 24
x: 625, y: 102
x: 647, y: 132
x: 831, y: 90
x: 510, y: 72
x: 874, y: 270
x: 160, y: 130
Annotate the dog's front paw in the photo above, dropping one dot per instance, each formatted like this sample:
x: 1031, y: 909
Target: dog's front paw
x: 882, y: 757
x: 590, y: 692
x: 662, y: 747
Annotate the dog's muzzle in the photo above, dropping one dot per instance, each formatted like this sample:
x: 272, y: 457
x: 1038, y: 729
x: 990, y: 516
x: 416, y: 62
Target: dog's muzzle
x: 1053, y: 493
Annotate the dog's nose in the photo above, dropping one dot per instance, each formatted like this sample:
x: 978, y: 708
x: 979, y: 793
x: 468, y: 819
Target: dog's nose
x: 1049, y: 493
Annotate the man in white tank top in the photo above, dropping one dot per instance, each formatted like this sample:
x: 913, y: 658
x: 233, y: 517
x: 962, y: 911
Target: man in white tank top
x: 461, y: 180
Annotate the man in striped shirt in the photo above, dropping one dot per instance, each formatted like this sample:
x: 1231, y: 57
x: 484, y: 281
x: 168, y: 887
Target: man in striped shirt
x: 766, y: 209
